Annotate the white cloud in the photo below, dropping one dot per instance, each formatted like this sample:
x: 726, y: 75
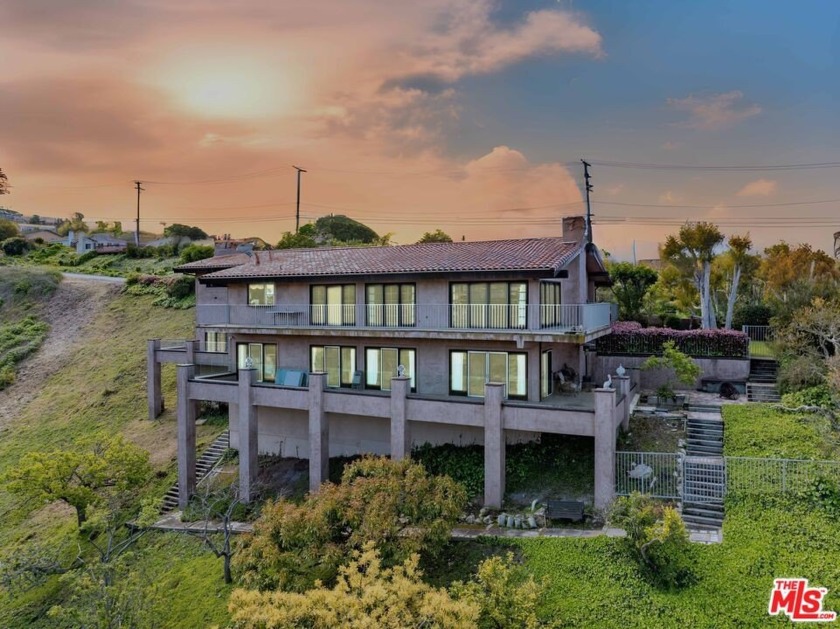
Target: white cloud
x: 759, y: 188
x: 714, y: 111
x: 670, y: 197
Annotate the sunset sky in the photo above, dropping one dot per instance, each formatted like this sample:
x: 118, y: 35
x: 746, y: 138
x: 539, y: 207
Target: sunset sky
x: 465, y: 115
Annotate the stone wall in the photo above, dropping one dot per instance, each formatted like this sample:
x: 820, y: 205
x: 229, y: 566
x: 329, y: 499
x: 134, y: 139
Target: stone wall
x: 726, y: 369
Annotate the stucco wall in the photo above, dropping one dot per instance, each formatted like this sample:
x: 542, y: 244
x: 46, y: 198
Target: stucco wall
x: 732, y: 369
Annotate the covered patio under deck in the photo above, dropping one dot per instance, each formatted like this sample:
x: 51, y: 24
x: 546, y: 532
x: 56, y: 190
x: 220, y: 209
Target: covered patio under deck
x: 597, y: 414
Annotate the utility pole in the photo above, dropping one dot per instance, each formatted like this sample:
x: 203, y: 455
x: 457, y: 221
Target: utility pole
x: 137, y: 228
x: 297, y: 210
x: 588, y: 186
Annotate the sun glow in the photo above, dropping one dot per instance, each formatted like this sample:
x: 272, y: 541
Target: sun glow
x: 224, y: 84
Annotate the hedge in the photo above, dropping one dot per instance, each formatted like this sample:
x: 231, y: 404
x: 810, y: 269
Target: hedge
x: 629, y: 337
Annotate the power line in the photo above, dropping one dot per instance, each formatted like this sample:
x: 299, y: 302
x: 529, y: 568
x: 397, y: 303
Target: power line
x: 709, y: 167
x: 727, y: 206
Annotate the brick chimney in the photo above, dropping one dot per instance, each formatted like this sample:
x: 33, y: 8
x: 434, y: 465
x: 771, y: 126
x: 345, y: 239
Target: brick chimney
x: 574, y: 228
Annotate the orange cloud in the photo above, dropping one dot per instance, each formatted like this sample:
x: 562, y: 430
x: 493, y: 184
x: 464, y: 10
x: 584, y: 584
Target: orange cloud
x: 759, y: 188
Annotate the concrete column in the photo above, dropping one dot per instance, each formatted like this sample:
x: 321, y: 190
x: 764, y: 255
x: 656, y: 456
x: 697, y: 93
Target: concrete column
x: 247, y: 432
x: 604, y: 432
x: 186, y: 412
x: 190, y: 351
x: 581, y: 367
x: 494, y: 446
x: 154, y: 393
x: 319, y: 433
x: 623, y: 387
x: 400, y: 433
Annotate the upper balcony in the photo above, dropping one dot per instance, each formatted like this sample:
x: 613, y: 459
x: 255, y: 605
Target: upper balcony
x: 576, y: 321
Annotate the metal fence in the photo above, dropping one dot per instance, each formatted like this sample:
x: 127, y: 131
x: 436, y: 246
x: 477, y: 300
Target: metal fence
x: 746, y: 475
x: 667, y: 475
x: 761, y: 340
x: 654, y: 473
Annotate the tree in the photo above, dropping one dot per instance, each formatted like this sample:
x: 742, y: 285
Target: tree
x: 341, y: 229
x: 692, y: 252
x: 396, y: 505
x: 436, y: 236
x: 4, y: 183
x: 8, y: 229
x: 739, y: 248
x: 35, y: 219
x: 685, y: 369
x: 81, y: 477
x: 366, y: 594
x: 184, y: 231
x: 630, y: 285
x: 305, y: 238
x: 658, y: 538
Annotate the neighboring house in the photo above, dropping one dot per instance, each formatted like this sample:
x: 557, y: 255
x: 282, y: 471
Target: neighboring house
x: 101, y: 243
x: 46, y: 235
x: 348, y: 350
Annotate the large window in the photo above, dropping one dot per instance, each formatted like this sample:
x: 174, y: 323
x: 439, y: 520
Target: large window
x: 339, y: 363
x: 333, y: 305
x: 215, y: 342
x: 488, y: 304
x: 382, y: 364
x: 550, y: 308
x: 260, y: 294
x: 390, y: 305
x: 263, y: 358
x: 470, y: 371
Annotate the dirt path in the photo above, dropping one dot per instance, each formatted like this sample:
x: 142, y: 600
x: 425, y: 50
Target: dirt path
x: 76, y: 302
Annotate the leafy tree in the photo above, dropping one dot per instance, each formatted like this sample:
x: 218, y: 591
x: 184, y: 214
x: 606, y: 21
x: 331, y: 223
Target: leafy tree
x: 658, y: 538
x: 4, y: 183
x: 685, y: 369
x: 35, y: 220
x: 8, y: 229
x: 193, y: 253
x: 630, y: 285
x: 342, y: 229
x: 82, y: 477
x: 367, y: 593
x: 692, y: 252
x: 184, y: 231
x: 740, y: 258
x: 394, y: 504
x: 305, y: 238
x: 436, y: 236
x: 16, y: 246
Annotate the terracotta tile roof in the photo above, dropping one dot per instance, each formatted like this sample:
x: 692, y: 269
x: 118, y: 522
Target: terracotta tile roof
x: 533, y: 254
x: 214, y: 264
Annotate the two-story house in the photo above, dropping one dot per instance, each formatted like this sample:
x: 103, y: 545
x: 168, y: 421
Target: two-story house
x: 341, y: 351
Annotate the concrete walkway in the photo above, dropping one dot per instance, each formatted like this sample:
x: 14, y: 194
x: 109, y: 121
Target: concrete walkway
x: 172, y: 522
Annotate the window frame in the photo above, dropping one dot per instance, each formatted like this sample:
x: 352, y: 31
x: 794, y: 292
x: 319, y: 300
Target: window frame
x: 324, y: 313
x: 406, y: 312
x: 468, y: 353
x: 264, y: 301
x: 215, y: 343
x: 342, y: 367
x: 509, y: 315
x: 551, y: 302
x: 412, y: 373
x: 263, y: 374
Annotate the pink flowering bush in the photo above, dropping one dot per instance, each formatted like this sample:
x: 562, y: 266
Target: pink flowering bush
x: 628, y: 337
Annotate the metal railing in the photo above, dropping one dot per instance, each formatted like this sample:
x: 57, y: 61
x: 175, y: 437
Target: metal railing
x: 557, y: 318
x: 761, y: 340
x: 654, y: 473
x: 174, y: 344
x: 746, y: 475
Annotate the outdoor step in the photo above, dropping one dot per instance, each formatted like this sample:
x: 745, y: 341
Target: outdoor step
x: 703, y: 510
x: 704, y: 438
x: 707, y: 447
x: 704, y: 449
x: 693, y: 521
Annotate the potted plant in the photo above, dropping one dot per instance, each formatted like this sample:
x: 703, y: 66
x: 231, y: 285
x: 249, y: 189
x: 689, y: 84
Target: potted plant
x: 683, y: 367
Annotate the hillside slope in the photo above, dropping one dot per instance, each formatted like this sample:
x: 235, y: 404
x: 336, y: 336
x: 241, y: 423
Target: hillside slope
x: 97, y: 384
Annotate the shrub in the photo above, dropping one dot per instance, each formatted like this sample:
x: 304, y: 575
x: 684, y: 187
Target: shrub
x: 685, y: 369
x: 658, y: 537
x: 819, y: 395
x: 193, y: 253
x: 180, y: 286
x: 627, y: 338
x: 801, y: 372
x: 751, y: 314
x: 16, y: 246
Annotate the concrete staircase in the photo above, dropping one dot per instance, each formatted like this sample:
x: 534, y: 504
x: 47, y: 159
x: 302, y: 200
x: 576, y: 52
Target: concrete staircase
x: 704, y: 469
x: 761, y: 385
x: 208, y: 460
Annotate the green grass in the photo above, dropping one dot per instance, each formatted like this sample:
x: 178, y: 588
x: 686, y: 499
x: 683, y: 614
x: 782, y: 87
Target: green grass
x: 103, y: 390
x: 759, y: 430
x: 761, y: 349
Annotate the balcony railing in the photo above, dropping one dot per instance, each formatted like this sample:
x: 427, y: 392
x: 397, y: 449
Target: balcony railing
x: 565, y: 318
